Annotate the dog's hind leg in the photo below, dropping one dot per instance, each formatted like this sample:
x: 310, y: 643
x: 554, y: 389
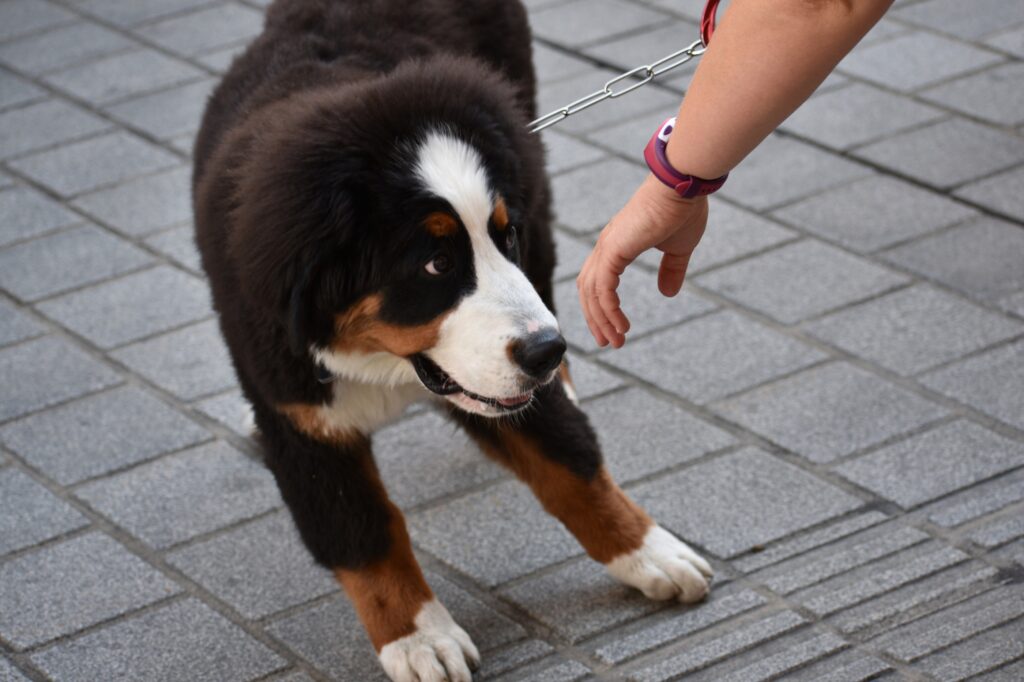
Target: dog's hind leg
x: 342, y: 511
x: 553, y: 450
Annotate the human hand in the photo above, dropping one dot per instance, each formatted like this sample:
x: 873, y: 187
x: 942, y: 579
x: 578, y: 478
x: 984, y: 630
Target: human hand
x: 655, y: 216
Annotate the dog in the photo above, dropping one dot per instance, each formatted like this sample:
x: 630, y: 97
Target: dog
x: 373, y: 217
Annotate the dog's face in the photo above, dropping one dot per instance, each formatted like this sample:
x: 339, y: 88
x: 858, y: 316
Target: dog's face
x: 402, y: 263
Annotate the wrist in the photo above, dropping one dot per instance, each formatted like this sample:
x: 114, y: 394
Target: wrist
x: 684, y: 184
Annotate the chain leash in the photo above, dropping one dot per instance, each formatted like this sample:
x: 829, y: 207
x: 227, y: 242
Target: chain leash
x: 647, y: 73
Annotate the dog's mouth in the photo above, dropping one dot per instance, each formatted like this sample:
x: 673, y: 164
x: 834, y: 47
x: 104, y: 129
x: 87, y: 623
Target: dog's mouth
x: 440, y: 382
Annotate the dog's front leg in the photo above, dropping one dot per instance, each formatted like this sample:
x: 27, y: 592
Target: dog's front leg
x: 552, y: 448
x: 345, y: 518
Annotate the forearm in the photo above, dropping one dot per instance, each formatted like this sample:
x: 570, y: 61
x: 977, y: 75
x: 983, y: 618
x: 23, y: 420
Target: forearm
x: 766, y: 58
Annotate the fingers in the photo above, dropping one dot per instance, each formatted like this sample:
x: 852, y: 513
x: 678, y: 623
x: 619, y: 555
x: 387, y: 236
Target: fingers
x: 672, y: 273
x: 596, y: 286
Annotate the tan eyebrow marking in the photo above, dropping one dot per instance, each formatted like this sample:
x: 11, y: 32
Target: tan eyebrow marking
x: 440, y: 224
x: 500, y: 214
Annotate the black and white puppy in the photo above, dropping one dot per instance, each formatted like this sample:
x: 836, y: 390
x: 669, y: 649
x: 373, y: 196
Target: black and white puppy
x: 374, y: 221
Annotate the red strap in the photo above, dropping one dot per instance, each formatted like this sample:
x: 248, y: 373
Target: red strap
x: 707, y: 21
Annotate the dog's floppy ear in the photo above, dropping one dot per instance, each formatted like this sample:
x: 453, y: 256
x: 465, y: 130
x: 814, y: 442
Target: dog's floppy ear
x: 295, y: 209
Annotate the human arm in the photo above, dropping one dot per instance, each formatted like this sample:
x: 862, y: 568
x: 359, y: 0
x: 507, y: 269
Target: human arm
x: 766, y: 58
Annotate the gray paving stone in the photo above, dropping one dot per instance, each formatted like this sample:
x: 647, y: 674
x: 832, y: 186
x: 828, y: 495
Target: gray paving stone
x: 145, y: 205
x: 330, y: 636
x: 855, y: 114
x: 493, y: 535
x: 15, y: 91
x: 29, y: 514
x: 8, y: 673
x: 52, y: 264
x: 646, y: 107
x: 978, y: 501
x: 129, y: 308
x: 978, y: 654
x: 121, y: 76
x: 91, y: 164
x: 993, y: 95
x: 828, y: 562
x: 47, y: 371
x: 848, y: 666
x: 259, y: 569
x: 934, y: 463
x: 712, y: 357
x: 800, y: 280
x: 948, y: 153
x: 1008, y: 673
x: 732, y: 233
x: 649, y: 46
x: 1011, y: 41
x: 980, y: 18
x: 1014, y: 303
x: 589, y: 379
x: 184, y: 495
x: 427, y: 457
x: 43, y: 125
x: 627, y: 138
x: 915, y: 599
x: 878, y: 578
x: 579, y: 600
x: 18, y: 17
x: 99, y: 434
x: 987, y: 382
x: 781, y: 170
x: 168, y: 113
x: 677, y: 623
x: 61, y: 47
x: 640, y: 434
x: 190, y: 363
x: 205, y: 29
x: 513, y: 657
x: 984, y: 259
x: 179, y: 245
x: 571, y: 254
x: 582, y: 210
x: 591, y: 21
x: 133, y: 12
x: 915, y: 329
x: 232, y: 410
x: 1000, y: 193
x: 561, y: 671
x: 564, y: 153
x: 999, y: 532
x: 15, y: 325
x: 220, y: 60
x: 65, y: 587
x: 645, y: 306
x: 728, y: 644
x: 740, y: 500
x: 806, y: 541
x: 909, y: 62
x: 552, y: 64
x: 873, y: 213
x: 774, y: 660
x: 184, y: 638
x: 28, y: 213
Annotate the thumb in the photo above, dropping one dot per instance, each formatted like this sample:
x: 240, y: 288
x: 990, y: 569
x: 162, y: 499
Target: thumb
x: 671, y: 273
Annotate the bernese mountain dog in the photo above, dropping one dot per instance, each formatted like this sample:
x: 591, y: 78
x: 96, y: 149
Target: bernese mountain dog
x: 374, y: 218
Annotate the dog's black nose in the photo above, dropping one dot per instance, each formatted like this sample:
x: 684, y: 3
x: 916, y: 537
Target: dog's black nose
x: 540, y: 352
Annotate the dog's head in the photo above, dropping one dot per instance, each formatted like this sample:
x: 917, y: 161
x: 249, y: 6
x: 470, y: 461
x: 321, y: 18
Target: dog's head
x: 383, y: 225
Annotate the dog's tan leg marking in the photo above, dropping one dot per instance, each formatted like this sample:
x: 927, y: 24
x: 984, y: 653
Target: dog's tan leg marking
x: 609, y: 525
x: 415, y: 637
x: 606, y: 522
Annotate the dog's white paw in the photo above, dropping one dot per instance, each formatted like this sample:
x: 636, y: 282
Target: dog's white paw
x: 664, y: 567
x: 439, y: 650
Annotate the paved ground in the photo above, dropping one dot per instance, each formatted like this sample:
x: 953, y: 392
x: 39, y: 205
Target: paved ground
x: 833, y: 411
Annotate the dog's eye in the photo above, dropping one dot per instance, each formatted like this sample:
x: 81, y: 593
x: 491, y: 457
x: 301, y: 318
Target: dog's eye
x: 439, y: 264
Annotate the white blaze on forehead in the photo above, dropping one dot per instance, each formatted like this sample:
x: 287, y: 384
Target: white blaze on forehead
x: 453, y: 170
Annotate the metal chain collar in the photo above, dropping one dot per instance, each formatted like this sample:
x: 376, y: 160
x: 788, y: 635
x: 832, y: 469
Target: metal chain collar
x: 647, y: 73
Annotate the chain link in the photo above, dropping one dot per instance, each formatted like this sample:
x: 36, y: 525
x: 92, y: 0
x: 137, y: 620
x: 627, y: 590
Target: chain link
x: 646, y: 73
